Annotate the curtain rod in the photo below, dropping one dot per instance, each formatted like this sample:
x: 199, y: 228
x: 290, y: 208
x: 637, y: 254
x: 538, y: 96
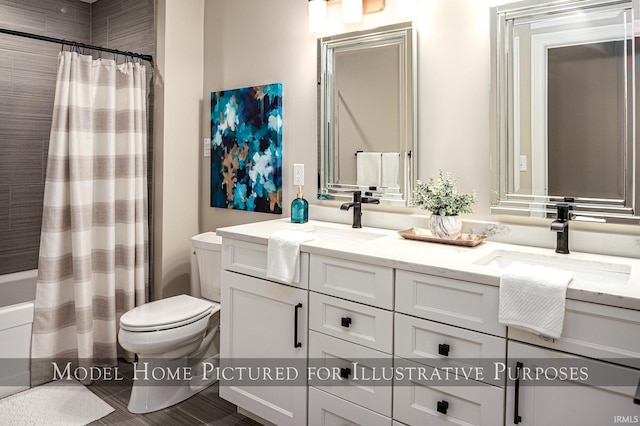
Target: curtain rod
x: 77, y: 44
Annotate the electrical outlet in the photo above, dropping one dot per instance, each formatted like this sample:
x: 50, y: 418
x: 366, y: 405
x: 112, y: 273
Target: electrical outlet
x: 298, y: 174
x: 523, y: 163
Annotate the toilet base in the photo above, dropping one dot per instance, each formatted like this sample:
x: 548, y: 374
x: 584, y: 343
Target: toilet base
x: 161, y: 383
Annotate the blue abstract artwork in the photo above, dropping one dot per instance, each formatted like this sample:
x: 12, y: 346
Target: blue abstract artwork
x: 246, y: 149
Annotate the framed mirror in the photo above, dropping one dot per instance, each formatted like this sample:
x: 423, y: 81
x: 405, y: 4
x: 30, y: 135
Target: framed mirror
x: 366, y: 129
x: 564, y: 108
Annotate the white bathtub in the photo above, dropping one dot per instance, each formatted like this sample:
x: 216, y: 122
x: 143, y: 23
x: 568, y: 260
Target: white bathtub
x: 17, y: 295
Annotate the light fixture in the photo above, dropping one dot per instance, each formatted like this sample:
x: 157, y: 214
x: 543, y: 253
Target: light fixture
x: 351, y: 11
x: 405, y: 8
x: 317, y: 15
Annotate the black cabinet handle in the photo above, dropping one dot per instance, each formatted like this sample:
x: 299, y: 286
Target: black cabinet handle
x: 443, y: 349
x: 296, y: 344
x: 345, y: 372
x: 345, y: 322
x: 516, y: 418
x: 636, y: 397
x: 442, y: 407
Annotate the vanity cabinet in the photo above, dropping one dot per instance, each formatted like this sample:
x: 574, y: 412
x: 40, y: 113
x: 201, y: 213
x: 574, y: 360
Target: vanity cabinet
x: 441, y: 322
x: 265, y: 321
x: 352, y: 318
x: 351, y: 332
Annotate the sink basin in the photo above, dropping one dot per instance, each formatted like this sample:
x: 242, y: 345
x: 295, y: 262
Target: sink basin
x: 584, y: 270
x: 343, y: 236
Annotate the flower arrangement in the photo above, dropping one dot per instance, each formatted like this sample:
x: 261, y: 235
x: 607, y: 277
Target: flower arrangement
x: 441, y: 197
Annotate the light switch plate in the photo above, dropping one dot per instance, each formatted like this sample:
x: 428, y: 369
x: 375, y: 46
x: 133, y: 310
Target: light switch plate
x: 523, y: 163
x: 298, y: 174
x: 207, y: 147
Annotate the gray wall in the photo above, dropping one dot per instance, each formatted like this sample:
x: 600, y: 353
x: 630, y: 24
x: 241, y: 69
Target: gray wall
x: 27, y: 87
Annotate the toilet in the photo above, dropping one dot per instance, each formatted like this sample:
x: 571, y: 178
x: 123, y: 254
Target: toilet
x: 177, y: 339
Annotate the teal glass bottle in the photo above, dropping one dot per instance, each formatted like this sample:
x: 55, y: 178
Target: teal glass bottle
x: 299, y: 208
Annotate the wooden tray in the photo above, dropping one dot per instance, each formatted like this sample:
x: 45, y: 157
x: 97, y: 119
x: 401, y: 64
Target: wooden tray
x: 419, y: 234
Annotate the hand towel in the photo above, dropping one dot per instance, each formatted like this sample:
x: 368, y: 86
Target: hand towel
x: 283, y: 254
x: 390, y: 169
x: 533, y: 298
x: 368, y: 168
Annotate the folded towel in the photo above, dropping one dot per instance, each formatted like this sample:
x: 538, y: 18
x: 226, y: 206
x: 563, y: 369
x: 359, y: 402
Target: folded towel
x: 368, y: 168
x: 283, y: 254
x: 533, y: 298
x: 390, y: 169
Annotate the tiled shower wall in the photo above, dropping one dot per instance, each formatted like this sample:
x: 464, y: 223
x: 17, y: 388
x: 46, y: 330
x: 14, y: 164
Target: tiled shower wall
x: 27, y: 86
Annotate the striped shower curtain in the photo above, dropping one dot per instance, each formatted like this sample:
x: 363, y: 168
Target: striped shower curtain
x: 93, y: 263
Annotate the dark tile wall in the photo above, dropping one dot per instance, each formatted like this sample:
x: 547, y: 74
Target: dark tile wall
x: 27, y: 87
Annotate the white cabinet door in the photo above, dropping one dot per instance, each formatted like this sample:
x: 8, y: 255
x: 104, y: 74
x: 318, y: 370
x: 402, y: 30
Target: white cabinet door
x: 258, y: 330
x: 600, y: 394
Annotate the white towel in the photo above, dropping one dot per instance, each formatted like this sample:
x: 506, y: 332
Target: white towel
x: 533, y: 298
x: 390, y: 169
x: 368, y: 168
x: 283, y: 254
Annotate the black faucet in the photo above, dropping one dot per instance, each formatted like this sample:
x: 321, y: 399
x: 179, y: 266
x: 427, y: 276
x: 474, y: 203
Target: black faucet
x: 358, y: 199
x: 561, y: 226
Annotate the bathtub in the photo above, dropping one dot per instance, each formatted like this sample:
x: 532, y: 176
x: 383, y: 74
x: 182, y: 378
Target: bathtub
x: 17, y: 295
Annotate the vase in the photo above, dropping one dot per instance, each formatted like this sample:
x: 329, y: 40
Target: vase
x: 445, y: 226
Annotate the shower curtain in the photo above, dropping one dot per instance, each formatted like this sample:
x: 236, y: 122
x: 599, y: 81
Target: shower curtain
x: 93, y: 263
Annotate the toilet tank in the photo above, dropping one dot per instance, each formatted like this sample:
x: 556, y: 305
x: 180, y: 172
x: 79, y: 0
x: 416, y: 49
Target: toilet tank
x: 205, y: 266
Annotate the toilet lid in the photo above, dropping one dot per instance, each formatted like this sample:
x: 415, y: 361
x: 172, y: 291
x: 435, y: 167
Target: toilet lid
x: 166, y: 313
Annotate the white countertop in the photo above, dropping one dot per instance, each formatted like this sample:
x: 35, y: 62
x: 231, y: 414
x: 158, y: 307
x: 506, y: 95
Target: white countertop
x: 391, y: 250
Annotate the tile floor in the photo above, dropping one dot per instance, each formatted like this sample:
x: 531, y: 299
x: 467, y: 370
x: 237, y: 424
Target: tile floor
x: 205, y: 408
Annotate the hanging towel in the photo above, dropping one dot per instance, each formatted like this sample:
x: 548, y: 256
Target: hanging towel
x: 533, y: 298
x: 283, y: 255
x: 368, y: 168
x: 390, y: 169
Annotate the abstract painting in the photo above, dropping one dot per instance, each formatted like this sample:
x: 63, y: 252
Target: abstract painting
x: 246, y: 149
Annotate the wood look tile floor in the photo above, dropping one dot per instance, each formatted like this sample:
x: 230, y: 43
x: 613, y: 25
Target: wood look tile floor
x: 204, y: 408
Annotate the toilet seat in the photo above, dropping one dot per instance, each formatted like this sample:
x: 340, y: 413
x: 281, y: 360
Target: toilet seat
x: 165, y: 314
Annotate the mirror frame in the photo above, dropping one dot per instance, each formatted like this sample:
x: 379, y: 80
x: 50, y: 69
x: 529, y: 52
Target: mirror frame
x: 502, y: 203
x: 404, y: 35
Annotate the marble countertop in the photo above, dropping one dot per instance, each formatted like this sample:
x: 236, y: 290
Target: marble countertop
x: 387, y: 248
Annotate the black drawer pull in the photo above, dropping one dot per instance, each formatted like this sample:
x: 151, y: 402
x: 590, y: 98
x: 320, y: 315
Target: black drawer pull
x: 442, y: 407
x: 345, y: 322
x: 443, y: 349
x: 345, y: 372
x: 296, y: 344
x: 636, y: 398
x: 516, y: 407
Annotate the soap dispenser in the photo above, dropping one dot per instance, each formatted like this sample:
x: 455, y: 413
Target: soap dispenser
x: 299, y: 208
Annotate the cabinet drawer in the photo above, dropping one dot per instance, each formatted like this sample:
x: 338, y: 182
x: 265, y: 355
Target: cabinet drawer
x: 460, y: 303
x: 328, y: 353
x: 365, y: 325
x: 433, y: 344
x: 251, y: 259
x: 595, y: 331
x: 328, y: 410
x: 360, y: 282
x: 416, y: 403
